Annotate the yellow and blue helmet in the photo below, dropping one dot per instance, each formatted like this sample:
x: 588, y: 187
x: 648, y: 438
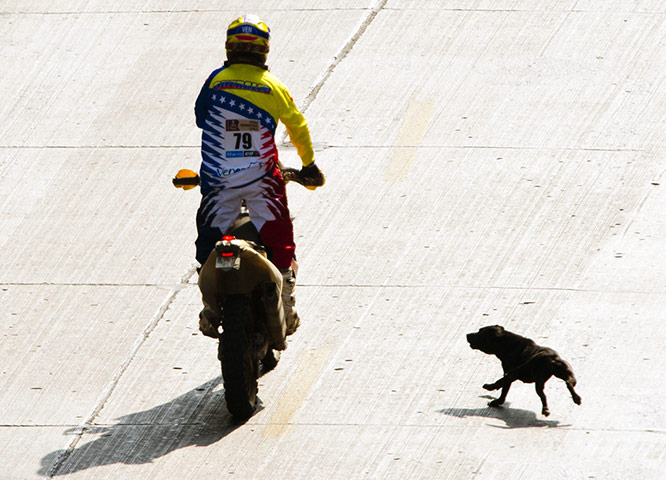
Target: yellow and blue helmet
x: 248, y: 34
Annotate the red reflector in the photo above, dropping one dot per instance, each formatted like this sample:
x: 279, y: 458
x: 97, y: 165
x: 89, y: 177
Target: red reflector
x: 228, y: 254
x: 228, y: 238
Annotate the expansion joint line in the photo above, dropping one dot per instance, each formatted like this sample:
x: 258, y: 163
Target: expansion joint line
x: 339, y: 57
x: 342, y: 54
x: 106, y: 394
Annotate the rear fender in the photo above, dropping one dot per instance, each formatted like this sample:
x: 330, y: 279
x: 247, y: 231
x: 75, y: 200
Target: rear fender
x: 256, y: 274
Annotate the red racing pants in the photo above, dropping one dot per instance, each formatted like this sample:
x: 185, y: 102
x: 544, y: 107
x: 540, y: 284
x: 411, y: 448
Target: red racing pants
x: 266, y: 200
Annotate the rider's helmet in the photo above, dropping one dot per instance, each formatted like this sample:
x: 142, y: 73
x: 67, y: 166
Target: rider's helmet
x: 248, y: 34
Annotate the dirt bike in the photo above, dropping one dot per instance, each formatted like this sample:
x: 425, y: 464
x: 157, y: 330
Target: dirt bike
x: 241, y: 293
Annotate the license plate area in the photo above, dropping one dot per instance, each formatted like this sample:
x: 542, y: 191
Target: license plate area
x: 231, y: 262
x: 228, y: 254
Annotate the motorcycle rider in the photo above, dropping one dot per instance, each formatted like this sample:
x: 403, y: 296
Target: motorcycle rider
x: 238, y: 110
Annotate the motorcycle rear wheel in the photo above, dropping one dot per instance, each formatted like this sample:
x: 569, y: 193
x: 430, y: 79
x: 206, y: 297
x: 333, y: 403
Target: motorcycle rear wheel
x: 240, y: 367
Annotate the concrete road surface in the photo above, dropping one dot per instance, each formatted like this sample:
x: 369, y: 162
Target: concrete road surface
x: 487, y: 161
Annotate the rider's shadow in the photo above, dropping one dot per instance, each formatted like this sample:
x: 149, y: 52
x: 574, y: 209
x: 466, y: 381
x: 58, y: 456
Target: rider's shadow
x: 198, y: 417
x: 512, y: 417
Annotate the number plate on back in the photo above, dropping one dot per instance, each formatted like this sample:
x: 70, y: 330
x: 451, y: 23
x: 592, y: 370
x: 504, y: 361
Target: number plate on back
x: 227, y: 263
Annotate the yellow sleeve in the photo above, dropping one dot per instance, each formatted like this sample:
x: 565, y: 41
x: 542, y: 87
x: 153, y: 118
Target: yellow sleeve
x: 296, y: 125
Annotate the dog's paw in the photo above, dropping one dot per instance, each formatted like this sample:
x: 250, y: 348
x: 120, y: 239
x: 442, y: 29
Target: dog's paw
x: 495, y: 403
x: 577, y: 400
x: 545, y: 411
x: 491, y: 386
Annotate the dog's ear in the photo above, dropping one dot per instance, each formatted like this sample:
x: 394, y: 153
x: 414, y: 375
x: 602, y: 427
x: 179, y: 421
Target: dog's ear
x: 498, y: 330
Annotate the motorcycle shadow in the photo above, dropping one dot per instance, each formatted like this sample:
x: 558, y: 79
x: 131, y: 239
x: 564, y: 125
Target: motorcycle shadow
x: 512, y: 417
x: 196, y: 418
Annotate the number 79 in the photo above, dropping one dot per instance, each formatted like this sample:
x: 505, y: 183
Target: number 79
x: 245, y: 139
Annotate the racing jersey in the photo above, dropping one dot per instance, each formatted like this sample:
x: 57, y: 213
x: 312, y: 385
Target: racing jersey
x: 238, y: 109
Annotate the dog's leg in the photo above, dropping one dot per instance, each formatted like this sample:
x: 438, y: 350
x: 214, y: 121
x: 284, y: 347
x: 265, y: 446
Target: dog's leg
x: 495, y: 386
x: 539, y: 389
x: 511, y: 376
x: 576, y: 398
x: 563, y: 371
x: 505, y: 390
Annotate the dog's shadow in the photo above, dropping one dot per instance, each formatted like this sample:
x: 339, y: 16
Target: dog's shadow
x: 198, y: 417
x: 512, y: 417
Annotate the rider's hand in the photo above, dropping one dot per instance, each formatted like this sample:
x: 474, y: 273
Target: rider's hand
x: 311, y: 176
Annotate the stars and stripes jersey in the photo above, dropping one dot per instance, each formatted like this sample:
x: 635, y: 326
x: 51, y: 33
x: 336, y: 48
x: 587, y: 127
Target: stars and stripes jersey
x: 238, y: 109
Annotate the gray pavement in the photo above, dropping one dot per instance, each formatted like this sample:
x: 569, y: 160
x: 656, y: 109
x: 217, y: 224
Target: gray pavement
x: 487, y: 162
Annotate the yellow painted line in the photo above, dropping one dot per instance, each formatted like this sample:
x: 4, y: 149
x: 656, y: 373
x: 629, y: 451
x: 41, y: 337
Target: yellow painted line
x: 410, y: 135
x: 298, y: 388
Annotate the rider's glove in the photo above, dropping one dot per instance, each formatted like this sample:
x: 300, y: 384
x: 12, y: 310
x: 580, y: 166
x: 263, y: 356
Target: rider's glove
x: 311, y: 176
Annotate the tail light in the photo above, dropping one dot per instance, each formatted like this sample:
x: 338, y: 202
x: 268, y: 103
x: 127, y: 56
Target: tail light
x: 227, y: 251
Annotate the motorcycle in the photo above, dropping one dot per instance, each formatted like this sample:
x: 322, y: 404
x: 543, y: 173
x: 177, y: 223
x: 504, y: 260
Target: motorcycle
x: 241, y: 293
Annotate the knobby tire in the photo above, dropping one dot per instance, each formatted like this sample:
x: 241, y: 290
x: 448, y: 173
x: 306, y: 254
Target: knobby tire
x: 240, y: 367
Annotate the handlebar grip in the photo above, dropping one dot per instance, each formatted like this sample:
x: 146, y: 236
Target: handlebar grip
x: 194, y: 181
x: 291, y: 175
x: 186, y: 179
x: 294, y: 175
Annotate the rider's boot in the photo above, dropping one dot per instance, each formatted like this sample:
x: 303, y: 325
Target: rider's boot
x: 209, y: 323
x: 289, y: 300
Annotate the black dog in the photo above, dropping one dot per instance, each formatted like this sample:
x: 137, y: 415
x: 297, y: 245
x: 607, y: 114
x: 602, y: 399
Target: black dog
x: 523, y: 360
